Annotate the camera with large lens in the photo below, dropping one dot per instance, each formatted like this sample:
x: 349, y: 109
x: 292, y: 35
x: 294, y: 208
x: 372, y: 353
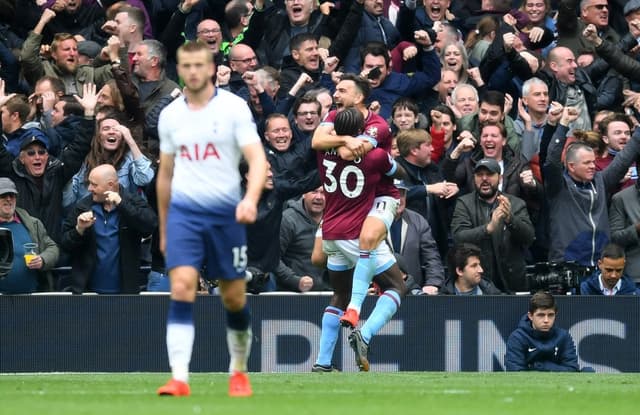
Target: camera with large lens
x: 256, y: 280
x: 557, y: 277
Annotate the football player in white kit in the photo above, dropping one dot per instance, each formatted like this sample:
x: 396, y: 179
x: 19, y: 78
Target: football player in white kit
x: 202, y: 212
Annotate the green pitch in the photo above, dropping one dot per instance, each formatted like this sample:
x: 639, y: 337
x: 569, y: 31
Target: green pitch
x: 327, y: 394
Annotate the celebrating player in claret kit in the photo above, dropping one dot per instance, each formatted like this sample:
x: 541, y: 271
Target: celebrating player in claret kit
x: 361, y: 205
x: 202, y: 213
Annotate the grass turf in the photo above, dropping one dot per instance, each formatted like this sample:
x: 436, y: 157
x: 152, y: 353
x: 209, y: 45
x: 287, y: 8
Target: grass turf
x: 327, y: 393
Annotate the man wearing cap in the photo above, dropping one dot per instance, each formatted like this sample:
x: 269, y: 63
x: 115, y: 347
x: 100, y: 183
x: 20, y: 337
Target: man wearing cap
x: 496, y: 222
x: 410, y: 237
x: 32, y: 275
x: 40, y: 177
x: 87, y: 51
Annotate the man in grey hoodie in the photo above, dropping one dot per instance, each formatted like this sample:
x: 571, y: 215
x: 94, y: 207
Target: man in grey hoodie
x: 577, y: 194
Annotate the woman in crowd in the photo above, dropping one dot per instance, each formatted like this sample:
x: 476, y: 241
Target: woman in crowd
x: 112, y: 144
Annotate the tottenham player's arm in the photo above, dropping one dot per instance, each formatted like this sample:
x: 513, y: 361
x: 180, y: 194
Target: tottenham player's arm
x: 247, y: 209
x: 163, y: 191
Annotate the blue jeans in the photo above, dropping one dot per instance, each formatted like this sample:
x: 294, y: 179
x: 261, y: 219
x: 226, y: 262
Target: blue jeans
x: 158, y: 282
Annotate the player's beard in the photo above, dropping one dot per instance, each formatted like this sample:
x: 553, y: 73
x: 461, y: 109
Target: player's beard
x: 197, y: 87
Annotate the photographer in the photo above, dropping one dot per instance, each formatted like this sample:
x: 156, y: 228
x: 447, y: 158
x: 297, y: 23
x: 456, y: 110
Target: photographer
x: 496, y: 222
x: 537, y: 344
x: 610, y: 278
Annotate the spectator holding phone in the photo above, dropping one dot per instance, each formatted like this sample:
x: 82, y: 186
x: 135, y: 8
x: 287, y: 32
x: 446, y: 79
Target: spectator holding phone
x: 387, y: 86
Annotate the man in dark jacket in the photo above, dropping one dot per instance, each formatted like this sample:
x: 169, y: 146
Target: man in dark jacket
x: 15, y: 109
x: 570, y: 26
x: 292, y: 161
x: 499, y: 224
x: 304, y: 58
x: 40, y: 177
x: 537, y: 344
x: 610, y: 278
x: 297, y: 235
x: 104, y: 231
x: 573, y: 86
x: 410, y: 237
x: 466, y: 276
x: 428, y: 193
x: 387, y: 85
x: 272, y: 28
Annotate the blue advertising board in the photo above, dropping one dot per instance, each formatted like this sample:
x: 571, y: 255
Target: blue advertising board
x: 127, y: 333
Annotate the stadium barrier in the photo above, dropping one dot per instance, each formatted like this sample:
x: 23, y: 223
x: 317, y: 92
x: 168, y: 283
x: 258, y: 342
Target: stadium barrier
x: 89, y: 333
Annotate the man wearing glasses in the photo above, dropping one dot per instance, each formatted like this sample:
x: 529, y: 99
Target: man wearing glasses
x: 40, y: 177
x: 570, y: 27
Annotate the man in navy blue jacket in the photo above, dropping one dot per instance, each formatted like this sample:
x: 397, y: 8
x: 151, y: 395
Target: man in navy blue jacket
x: 536, y: 344
x: 609, y: 279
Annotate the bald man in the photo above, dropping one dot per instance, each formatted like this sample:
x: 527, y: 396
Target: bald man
x: 103, y: 229
x: 209, y: 32
x: 572, y: 86
x: 242, y: 58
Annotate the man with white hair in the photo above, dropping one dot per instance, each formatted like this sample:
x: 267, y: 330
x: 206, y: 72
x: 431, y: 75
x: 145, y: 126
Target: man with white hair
x: 532, y: 116
x: 464, y: 100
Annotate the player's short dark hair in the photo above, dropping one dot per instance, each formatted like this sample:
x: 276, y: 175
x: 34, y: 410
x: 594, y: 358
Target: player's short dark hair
x: 613, y: 251
x: 361, y: 83
x: 541, y: 299
x: 459, y: 257
x: 349, y: 121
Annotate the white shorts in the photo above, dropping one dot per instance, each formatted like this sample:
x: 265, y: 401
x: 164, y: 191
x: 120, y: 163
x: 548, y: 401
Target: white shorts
x: 385, y: 209
x: 343, y: 255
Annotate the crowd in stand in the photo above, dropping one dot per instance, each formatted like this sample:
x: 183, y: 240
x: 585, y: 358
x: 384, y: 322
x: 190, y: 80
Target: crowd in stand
x: 515, y: 121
